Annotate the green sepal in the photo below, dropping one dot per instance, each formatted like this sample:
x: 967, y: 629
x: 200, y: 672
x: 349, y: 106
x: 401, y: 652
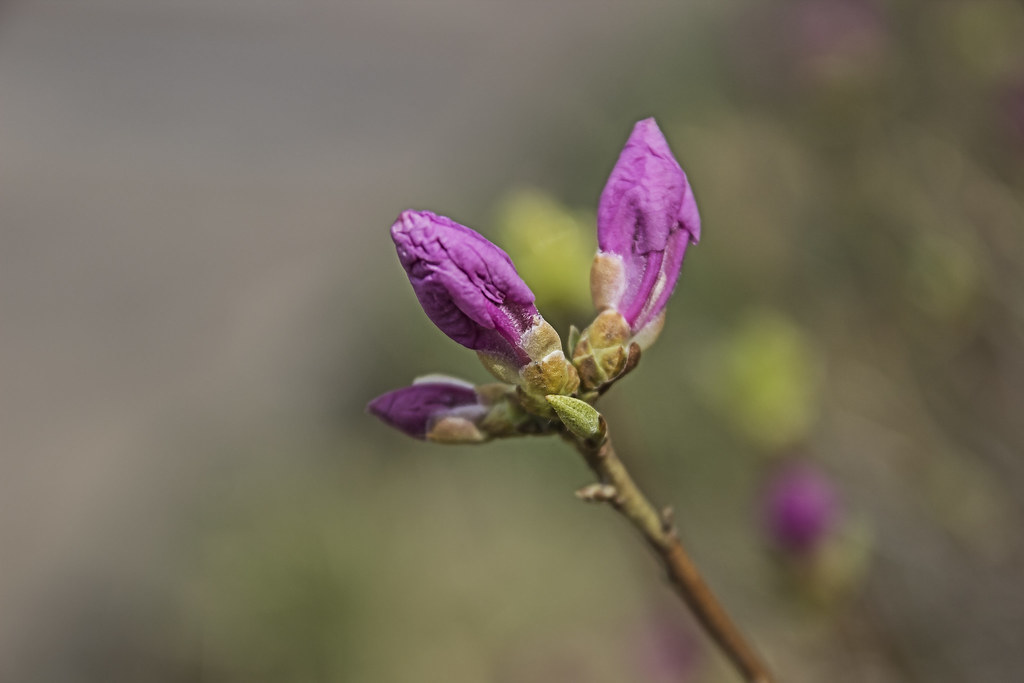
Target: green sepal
x: 572, y: 340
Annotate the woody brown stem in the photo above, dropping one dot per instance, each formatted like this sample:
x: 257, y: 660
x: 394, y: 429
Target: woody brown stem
x: 619, y: 490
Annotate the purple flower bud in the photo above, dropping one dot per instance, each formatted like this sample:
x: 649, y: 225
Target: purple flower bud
x: 467, y: 286
x: 800, y: 507
x: 435, y: 408
x: 645, y: 219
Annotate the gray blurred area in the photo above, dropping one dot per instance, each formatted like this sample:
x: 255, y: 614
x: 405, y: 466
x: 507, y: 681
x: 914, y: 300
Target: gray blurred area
x: 198, y: 296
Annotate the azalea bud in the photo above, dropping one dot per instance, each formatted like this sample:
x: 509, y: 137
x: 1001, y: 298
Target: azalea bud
x: 436, y: 408
x: 448, y: 410
x: 470, y: 289
x: 646, y: 217
x: 800, y: 508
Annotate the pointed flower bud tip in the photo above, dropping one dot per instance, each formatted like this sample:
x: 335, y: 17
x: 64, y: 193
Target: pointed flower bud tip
x: 579, y: 417
x: 435, y: 404
x: 467, y: 286
x: 646, y: 217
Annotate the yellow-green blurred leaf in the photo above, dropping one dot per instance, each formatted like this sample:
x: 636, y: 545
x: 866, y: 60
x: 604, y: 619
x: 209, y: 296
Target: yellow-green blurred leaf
x: 551, y: 246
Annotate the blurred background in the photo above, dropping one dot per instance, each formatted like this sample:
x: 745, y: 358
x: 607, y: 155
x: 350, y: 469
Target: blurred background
x: 198, y: 296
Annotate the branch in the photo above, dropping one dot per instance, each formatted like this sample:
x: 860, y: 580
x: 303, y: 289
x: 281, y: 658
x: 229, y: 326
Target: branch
x: 618, y: 489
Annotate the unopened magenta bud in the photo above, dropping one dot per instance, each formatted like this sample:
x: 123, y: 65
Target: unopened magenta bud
x: 435, y: 408
x: 467, y: 286
x: 646, y: 217
x: 470, y: 289
x: 800, y: 507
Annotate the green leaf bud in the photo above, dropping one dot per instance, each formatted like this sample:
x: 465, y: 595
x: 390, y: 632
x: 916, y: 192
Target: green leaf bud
x: 579, y: 417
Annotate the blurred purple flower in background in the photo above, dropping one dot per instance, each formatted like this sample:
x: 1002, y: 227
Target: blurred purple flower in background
x: 417, y: 410
x: 467, y: 286
x: 1013, y: 106
x: 800, y: 507
x: 827, y: 26
x: 666, y: 650
x: 646, y: 217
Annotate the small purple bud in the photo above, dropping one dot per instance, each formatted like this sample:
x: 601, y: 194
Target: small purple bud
x: 646, y: 217
x: 800, y: 507
x: 438, y: 408
x: 467, y: 286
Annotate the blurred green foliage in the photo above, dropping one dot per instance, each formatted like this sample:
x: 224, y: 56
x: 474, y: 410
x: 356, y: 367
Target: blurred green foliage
x: 764, y: 379
x: 551, y: 246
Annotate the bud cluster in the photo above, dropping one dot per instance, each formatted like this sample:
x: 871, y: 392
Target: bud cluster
x: 470, y: 289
